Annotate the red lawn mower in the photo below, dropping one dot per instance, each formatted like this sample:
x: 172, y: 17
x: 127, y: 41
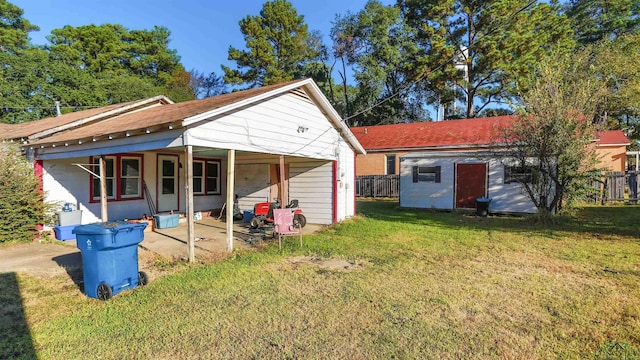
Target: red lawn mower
x: 263, y: 214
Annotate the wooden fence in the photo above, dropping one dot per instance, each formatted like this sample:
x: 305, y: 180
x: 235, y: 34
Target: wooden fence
x: 378, y: 186
x: 617, y: 186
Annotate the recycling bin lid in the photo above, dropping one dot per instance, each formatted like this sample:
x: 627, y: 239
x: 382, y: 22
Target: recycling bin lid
x: 483, y: 199
x: 104, y: 227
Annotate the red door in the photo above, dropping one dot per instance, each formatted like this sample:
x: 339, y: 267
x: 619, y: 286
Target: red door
x: 471, y: 183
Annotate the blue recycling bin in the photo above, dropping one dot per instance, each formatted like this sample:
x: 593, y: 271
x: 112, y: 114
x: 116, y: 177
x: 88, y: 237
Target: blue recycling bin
x: 110, y: 257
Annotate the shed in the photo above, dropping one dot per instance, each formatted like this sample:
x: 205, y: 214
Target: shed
x: 453, y: 180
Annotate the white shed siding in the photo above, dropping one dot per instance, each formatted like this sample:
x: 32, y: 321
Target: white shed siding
x: 506, y: 197
x: 427, y: 194
x: 311, y: 183
x: 287, y: 125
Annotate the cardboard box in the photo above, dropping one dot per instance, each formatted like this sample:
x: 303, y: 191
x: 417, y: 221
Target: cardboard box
x: 163, y: 221
x: 64, y: 232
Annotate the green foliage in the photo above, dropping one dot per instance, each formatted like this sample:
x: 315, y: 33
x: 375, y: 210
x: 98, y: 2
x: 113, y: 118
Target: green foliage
x: 21, y: 199
x: 492, y: 45
x: 377, y: 42
x: 278, y: 46
x: 594, y: 21
x: 14, y: 29
x: 554, y: 132
x: 616, y: 64
x: 85, y: 66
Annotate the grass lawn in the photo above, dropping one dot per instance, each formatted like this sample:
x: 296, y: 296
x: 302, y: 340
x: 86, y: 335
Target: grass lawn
x: 417, y: 284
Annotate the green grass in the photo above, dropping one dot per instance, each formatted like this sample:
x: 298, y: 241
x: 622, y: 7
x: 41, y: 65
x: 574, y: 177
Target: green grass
x: 423, y: 285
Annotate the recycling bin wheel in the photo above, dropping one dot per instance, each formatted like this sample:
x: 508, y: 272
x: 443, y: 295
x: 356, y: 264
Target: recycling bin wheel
x: 104, y: 292
x: 143, y: 279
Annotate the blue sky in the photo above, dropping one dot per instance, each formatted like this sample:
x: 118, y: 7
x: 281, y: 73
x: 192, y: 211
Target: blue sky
x: 201, y: 30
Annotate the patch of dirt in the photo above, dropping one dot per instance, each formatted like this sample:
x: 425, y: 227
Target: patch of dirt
x: 327, y: 264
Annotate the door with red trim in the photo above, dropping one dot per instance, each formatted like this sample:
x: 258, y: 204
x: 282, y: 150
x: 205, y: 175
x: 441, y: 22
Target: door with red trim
x: 471, y: 183
x: 168, y: 195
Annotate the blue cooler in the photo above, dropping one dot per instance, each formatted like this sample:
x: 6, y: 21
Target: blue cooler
x: 110, y: 257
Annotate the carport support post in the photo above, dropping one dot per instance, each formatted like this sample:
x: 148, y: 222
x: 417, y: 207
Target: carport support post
x: 283, y: 194
x: 231, y: 165
x: 188, y: 175
x: 104, y: 215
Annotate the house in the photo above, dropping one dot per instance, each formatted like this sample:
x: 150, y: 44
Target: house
x: 280, y: 141
x: 611, y: 149
x: 448, y: 164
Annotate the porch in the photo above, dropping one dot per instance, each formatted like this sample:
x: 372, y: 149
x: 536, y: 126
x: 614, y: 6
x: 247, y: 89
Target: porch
x: 210, y: 238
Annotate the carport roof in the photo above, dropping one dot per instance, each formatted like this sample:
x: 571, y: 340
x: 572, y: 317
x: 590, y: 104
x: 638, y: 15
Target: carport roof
x: 167, y: 116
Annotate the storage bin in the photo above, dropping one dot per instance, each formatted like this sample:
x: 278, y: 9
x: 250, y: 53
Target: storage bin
x: 64, y: 232
x: 247, y: 215
x: 65, y: 218
x: 163, y: 221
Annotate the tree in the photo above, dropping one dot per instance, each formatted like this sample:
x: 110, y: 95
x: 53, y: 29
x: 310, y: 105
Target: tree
x: 593, y: 21
x: 205, y: 86
x: 125, y: 64
x: 377, y: 42
x: 616, y: 65
x: 279, y: 45
x: 554, y: 131
x: 475, y: 51
x: 14, y: 29
x: 23, y: 206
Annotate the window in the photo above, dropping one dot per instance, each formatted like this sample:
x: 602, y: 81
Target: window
x: 130, y: 177
x: 518, y: 174
x: 206, y: 177
x: 123, y: 177
x: 426, y: 174
x: 109, y: 178
x: 213, y: 177
x: 198, y: 177
x: 391, y: 164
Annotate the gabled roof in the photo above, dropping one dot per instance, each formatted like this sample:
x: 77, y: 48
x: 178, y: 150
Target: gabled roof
x: 477, y: 132
x: 42, y: 128
x: 612, y: 138
x: 176, y: 115
x: 452, y: 134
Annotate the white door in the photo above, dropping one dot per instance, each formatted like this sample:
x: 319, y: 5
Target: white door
x: 167, y: 183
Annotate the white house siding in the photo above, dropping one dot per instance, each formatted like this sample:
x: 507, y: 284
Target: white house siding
x: 64, y: 182
x: 285, y: 125
x: 345, y: 182
x: 506, y: 197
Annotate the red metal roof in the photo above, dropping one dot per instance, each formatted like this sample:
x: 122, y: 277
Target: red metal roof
x: 441, y: 134
x: 612, y: 137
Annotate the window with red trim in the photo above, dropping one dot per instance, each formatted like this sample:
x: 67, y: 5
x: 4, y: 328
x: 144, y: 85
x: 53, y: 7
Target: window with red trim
x: 206, y: 177
x: 123, y: 177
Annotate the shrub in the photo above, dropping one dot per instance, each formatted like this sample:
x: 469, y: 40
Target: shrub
x: 21, y: 201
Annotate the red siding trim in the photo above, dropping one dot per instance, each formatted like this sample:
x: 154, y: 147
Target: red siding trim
x: 335, y: 192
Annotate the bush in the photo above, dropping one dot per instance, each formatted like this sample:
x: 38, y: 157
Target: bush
x: 21, y: 201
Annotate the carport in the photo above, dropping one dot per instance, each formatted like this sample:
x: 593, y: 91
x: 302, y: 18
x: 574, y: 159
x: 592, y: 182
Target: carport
x: 184, y: 157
